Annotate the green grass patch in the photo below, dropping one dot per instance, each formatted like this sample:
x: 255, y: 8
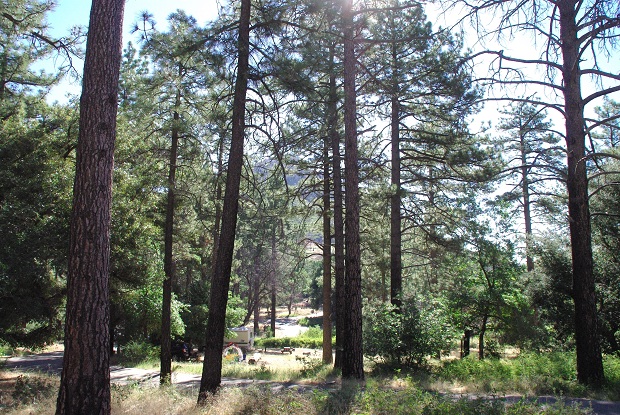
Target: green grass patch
x: 530, y: 373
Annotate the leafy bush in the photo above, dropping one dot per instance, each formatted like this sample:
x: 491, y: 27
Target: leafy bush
x: 6, y: 349
x: 314, y: 332
x: 136, y: 352
x: 310, y: 366
x: 280, y: 342
x: 406, y: 337
x: 311, y: 321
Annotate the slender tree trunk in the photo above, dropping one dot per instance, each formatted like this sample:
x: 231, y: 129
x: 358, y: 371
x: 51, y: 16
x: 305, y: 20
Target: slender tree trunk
x: 256, y: 318
x: 169, y: 263
x: 274, y: 303
x: 85, y: 381
x: 338, y: 212
x: 483, y: 330
x: 396, y: 268
x: 589, y: 358
x: 273, y: 310
x: 525, y: 194
x: 218, y: 207
x: 327, y: 254
x: 212, y: 367
x: 353, y: 362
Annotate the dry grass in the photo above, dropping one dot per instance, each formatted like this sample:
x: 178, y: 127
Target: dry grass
x: 376, y: 397
x: 28, y: 393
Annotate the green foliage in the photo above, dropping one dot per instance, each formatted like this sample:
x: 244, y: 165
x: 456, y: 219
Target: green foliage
x: 551, y: 292
x: 407, y: 337
x: 311, y: 321
x: 314, y: 332
x: 135, y: 352
x: 280, y: 342
x: 538, y: 373
x: 311, y: 338
x: 6, y: 349
x: 376, y: 398
x: 310, y: 366
x: 36, y: 143
x: 142, y: 310
x: 35, y: 189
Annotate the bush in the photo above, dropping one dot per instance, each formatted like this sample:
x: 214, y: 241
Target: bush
x: 280, y: 342
x: 136, y: 352
x: 407, y: 337
x: 314, y: 332
x: 311, y: 321
x: 6, y: 349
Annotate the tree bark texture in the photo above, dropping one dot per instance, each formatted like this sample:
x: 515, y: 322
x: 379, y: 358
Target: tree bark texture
x: 338, y: 212
x: 274, y: 303
x: 589, y: 358
x: 212, y: 367
x: 218, y: 207
x: 396, y: 268
x: 85, y: 381
x: 169, y: 262
x: 353, y: 362
x: 327, y: 254
x: 525, y: 194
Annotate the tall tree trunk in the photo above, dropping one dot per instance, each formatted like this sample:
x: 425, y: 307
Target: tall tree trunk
x: 274, y: 303
x: 169, y: 264
x: 483, y: 330
x: 256, y: 318
x: 396, y: 268
x: 212, y: 367
x: 589, y: 358
x: 273, y: 310
x: 338, y: 212
x: 525, y: 194
x: 85, y: 381
x: 218, y: 207
x: 352, y: 362
x: 327, y: 253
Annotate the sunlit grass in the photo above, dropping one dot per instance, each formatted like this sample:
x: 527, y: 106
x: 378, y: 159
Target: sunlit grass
x: 373, y: 397
x: 551, y: 373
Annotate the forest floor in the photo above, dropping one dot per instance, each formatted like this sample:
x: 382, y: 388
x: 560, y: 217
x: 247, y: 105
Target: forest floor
x: 49, y: 362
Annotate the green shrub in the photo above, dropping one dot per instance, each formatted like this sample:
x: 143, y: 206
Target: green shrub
x: 280, y: 342
x: 314, y: 332
x: 6, y: 349
x: 311, y: 321
x: 136, y: 352
x: 407, y: 337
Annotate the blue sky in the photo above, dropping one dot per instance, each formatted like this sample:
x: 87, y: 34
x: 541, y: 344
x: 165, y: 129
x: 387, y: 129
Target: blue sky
x: 70, y: 13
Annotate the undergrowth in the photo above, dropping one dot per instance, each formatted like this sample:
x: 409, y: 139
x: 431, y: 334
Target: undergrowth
x: 530, y: 373
x: 373, y: 398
